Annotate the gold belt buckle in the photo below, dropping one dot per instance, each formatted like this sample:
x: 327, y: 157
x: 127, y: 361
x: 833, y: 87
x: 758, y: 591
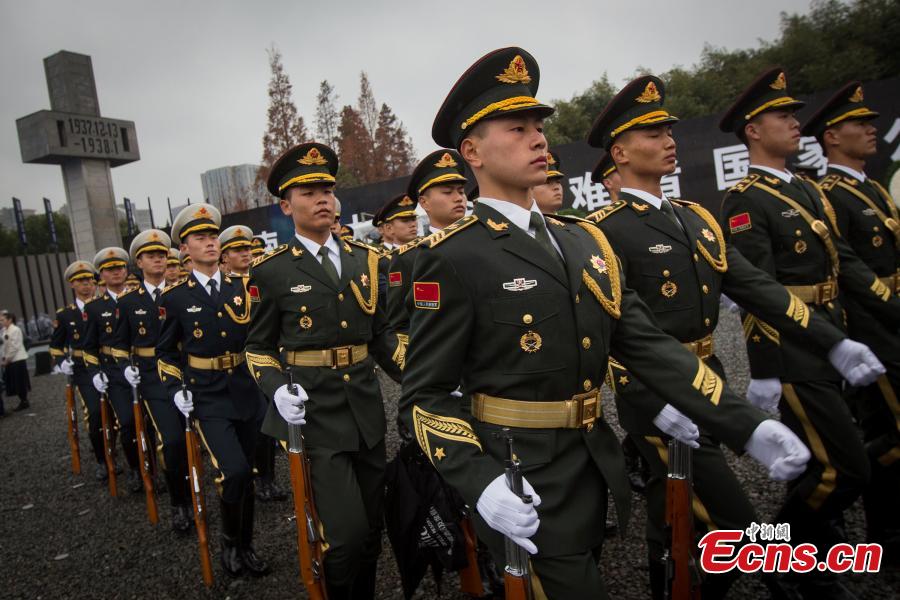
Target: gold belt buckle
x: 340, y: 357
x: 704, y: 347
x: 825, y: 292
x: 588, y: 404
x: 226, y: 361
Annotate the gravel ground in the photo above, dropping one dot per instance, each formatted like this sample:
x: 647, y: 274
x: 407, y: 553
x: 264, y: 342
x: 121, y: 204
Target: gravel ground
x: 62, y: 536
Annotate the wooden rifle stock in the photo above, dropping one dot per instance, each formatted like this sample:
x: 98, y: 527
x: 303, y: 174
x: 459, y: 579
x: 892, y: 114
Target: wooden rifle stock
x: 72, y: 425
x: 108, y: 444
x: 195, y: 475
x: 470, y: 581
x: 309, y: 542
x: 144, y: 456
x: 682, y: 577
x: 516, y: 576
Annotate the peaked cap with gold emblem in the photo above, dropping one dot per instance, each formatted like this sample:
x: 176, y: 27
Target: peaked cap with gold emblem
x: 236, y: 236
x: 397, y: 207
x: 195, y: 218
x: 501, y: 82
x: 441, y: 166
x: 305, y: 164
x: 845, y: 105
x: 80, y: 269
x: 554, y: 166
x: 639, y: 104
x: 605, y: 167
x: 769, y: 91
x: 257, y: 246
x: 149, y: 241
x: 110, y: 258
x: 174, y: 258
x: 346, y: 232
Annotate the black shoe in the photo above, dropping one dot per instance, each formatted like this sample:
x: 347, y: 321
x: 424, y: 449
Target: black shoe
x: 263, y: 490
x: 181, y: 519
x: 100, y: 473
x: 232, y: 562
x: 22, y: 406
x: 255, y: 565
x: 134, y: 482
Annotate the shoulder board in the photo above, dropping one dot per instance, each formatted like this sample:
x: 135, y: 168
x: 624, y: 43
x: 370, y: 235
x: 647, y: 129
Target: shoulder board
x: 597, y: 216
x: 379, y: 251
x: 59, y: 310
x: 681, y: 202
x: 92, y: 299
x: 126, y: 293
x: 829, y: 181
x: 174, y: 285
x: 261, y: 259
x: 439, y: 236
x: 568, y: 219
x: 744, y: 183
x: 409, y: 246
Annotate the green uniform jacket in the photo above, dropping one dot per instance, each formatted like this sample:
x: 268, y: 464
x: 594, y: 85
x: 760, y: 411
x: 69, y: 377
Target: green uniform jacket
x: 872, y: 240
x: 774, y: 236
x: 295, y: 306
x: 680, y: 275
x: 399, y: 279
x: 493, y: 310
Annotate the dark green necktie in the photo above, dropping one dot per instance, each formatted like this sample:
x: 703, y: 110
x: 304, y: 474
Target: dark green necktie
x: 542, y: 237
x: 666, y: 208
x: 329, y: 267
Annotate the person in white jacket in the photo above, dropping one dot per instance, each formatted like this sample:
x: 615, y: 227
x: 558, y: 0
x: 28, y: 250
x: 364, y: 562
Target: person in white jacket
x: 15, y: 371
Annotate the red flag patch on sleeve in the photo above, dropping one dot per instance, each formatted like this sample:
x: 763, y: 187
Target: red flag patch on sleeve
x: 739, y: 223
x: 254, y: 293
x: 427, y: 295
x: 395, y: 279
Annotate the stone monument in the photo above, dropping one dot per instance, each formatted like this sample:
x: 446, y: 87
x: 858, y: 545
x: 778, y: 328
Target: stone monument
x: 72, y: 134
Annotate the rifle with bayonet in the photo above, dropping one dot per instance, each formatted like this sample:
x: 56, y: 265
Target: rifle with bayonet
x: 73, y: 420
x: 309, y: 542
x: 109, y: 442
x: 144, y: 453
x: 682, y: 575
x: 516, y: 576
x: 195, y: 475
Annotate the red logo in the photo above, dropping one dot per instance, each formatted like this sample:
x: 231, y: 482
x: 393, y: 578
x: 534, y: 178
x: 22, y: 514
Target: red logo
x: 254, y: 293
x: 427, y: 295
x: 739, y: 223
x: 395, y: 279
x: 162, y: 312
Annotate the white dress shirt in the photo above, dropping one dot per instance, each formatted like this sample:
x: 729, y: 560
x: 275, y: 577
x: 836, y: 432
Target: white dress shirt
x: 518, y: 216
x: 334, y: 251
x: 858, y: 175
x: 204, y: 280
x: 786, y: 176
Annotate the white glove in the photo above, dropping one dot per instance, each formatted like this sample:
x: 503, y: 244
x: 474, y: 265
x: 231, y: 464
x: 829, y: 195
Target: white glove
x: 673, y: 422
x: 729, y: 304
x: 777, y: 448
x: 855, y: 362
x: 67, y: 367
x: 505, y: 512
x: 184, y: 403
x: 100, y: 383
x: 764, y: 393
x: 457, y: 393
x: 290, y: 406
x: 133, y: 375
x: 56, y: 370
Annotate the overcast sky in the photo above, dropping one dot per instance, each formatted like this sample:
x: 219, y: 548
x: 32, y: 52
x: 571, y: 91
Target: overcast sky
x: 193, y: 75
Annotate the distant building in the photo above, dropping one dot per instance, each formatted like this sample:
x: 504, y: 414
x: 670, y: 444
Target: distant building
x: 232, y: 189
x: 8, y: 217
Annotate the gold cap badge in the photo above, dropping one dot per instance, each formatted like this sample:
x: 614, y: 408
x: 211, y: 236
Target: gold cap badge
x: 313, y: 157
x: 516, y: 72
x: 780, y: 82
x: 550, y: 159
x: 650, y: 94
x: 407, y: 201
x: 857, y: 95
x: 201, y: 212
x: 446, y: 161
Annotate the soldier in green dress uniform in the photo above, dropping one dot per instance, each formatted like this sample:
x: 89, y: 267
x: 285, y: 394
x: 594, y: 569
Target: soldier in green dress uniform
x: 523, y: 310
x: 784, y: 225
x: 868, y: 219
x: 315, y: 312
x: 549, y: 195
x: 674, y: 256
